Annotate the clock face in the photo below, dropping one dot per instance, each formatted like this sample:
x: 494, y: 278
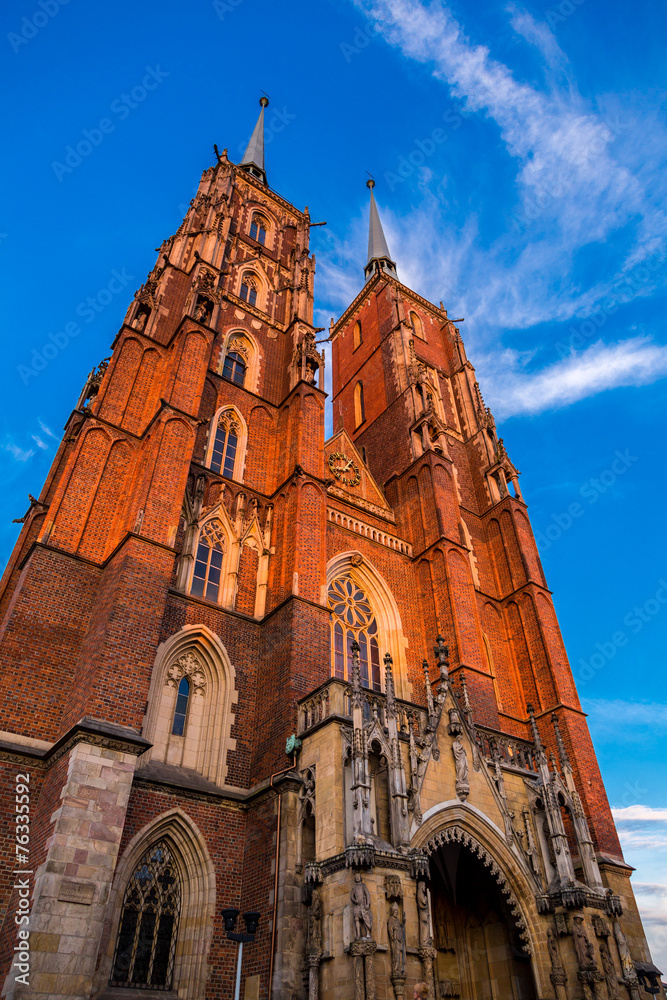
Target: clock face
x: 344, y: 469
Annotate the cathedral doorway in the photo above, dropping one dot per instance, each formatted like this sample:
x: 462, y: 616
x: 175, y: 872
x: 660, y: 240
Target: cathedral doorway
x: 480, y: 955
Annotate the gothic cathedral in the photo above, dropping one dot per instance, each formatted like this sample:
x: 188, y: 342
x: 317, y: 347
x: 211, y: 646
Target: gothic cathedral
x: 249, y: 669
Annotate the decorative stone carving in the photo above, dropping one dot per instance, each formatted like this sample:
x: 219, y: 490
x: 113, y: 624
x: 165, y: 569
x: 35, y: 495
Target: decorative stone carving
x: 424, y: 914
x: 396, y: 935
x: 600, y: 926
x: 361, y: 909
x: 627, y: 965
x: 582, y: 946
x: 393, y: 887
x: 315, y: 925
x: 461, y: 764
x: 609, y: 971
x: 188, y: 666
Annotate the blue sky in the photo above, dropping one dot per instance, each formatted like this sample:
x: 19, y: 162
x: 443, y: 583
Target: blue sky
x: 519, y: 154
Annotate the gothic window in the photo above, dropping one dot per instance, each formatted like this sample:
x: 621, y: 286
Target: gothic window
x: 249, y: 289
x: 225, y: 445
x: 258, y: 228
x: 181, y: 710
x: 352, y: 618
x: 359, y: 408
x: 144, y: 956
x: 208, y: 562
x: 417, y: 325
x: 234, y: 368
x: 356, y: 336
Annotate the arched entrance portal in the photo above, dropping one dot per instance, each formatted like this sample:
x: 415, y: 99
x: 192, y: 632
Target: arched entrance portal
x: 480, y: 952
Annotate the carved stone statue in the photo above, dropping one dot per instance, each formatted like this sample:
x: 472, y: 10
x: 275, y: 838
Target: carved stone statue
x: 554, y: 953
x: 609, y: 971
x: 583, y: 946
x: 461, y: 761
x: 628, y: 966
x: 425, y: 939
x: 361, y: 908
x: 396, y: 934
x: 315, y: 925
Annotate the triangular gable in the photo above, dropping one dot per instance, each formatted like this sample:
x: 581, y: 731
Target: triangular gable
x: 367, y: 489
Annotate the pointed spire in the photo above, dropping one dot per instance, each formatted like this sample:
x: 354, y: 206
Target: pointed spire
x: 390, y: 690
x: 536, y: 736
x: 562, y: 752
x: 378, y: 251
x: 253, y: 158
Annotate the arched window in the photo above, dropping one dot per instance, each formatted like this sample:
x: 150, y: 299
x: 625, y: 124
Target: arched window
x: 359, y: 408
x: 417, y: 325
x: 208, y: 562
x: 258, y: 228
x: 223, y: 456
x: 181, y: 710
x: 234, y: 367
x: 356, y: 336
x: 249, y: 289
x: 352, y: 618
x: 144, y: 956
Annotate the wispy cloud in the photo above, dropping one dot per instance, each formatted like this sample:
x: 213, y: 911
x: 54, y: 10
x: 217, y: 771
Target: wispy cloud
x: 47, y: 430
x: 512, y: 391
x: 38, y: 441
x: 643, y: 813
x: 19, y: 454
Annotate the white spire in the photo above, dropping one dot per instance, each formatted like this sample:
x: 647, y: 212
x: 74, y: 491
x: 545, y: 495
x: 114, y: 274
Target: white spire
x: 378, y: 251
x: 253, y: 158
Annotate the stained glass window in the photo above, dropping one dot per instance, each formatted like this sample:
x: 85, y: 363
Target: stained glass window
x: 181, y: 710
x: 146, y: 943
x: 352, y: 617
x: 208, y: 561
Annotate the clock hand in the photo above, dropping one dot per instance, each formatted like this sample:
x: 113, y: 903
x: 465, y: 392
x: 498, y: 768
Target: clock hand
x: 346, y: 467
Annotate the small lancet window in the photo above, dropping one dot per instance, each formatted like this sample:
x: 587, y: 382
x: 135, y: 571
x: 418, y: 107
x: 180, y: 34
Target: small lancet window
x: 356, y: 336
x: 225, y: 445
x: 359, y: 408
x: 208, y: 562
x: 249, y: 290
x: 181, y: 710
x: 234, y: 368
x: 258, y: 229
x: 417, y: 325
x: 146, y: 944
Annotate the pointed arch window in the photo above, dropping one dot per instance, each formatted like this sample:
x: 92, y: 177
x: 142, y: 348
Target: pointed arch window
x: 258, y: 228
x: 356, y: 336
x: 249, y: 289
x: 208, y: 561
x: 225, y: 445
x: 181, y: 710
x: 234, y: 367
x: 417, y: 325
x: 352, y: 617
x: 359, y: 407
x: 146, y: 943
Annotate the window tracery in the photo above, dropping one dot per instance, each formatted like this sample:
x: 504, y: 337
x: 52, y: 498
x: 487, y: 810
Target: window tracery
x: 208, y: 561
x: 146, y: 942
x: 352, y: 617
x: 258, y: 227
x: 249, y: 288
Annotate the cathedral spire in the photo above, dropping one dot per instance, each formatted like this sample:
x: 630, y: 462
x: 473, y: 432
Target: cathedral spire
x: 253, y: 158
x: 378, y: 251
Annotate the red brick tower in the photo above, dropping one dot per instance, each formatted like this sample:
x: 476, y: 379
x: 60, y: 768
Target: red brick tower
x: 203, y: 577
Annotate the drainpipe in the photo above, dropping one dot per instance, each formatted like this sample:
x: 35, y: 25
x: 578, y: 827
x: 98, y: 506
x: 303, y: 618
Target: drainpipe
x: 276, y: 774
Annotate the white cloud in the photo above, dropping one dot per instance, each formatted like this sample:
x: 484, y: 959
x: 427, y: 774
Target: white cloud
x: 38, y: 441
x: 511, y: 391
x: 20, y: 454
x: 48, y: 431
x: 633, y: 813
